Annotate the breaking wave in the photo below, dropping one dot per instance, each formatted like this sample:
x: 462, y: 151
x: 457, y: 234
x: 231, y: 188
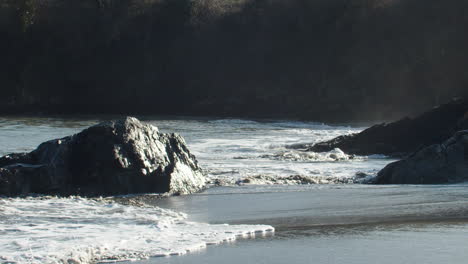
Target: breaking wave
x: 79, y: 230
x: 293, y: 155
x: 265, y: 179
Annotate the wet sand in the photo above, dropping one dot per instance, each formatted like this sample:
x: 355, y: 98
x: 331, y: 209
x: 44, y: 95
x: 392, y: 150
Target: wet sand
x: 438, y: 243
x: 333, y: 223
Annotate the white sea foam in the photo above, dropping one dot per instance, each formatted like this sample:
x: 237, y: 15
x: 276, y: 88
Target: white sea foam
x: 79, y: 230
x: 268, y: 179
x: 295, y: 155
x: 293, y: 180
x: 231, y: 150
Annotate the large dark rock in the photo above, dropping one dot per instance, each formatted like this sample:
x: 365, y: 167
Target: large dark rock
x: 116, y: 157
x: 438, y: 163
x: 404, y: 136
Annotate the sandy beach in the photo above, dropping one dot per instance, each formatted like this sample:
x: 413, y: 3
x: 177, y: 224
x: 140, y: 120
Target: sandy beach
x: 333, y: 224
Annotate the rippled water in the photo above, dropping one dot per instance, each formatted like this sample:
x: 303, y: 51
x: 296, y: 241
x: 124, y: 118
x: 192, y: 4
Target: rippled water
x: 50, y: 229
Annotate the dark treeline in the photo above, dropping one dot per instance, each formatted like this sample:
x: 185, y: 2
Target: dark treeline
x: 332, y: 60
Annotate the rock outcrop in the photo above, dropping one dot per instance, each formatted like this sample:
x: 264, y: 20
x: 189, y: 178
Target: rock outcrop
x: 404, y: 136
x: 438, y: 163
x: 115, y: 157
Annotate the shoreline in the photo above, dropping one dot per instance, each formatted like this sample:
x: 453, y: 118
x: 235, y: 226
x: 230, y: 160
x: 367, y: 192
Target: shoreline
x: 318, y: 217
x: 411, y: 245
x: 321, y: 204
x: 314, y: 234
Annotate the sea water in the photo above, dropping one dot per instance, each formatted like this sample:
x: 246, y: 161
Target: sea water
x: 233, y: 153
x: 79, y: 230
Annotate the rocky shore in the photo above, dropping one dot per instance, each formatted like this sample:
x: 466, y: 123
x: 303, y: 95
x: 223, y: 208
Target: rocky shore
x: 433, y: 146
x: 402, y: 137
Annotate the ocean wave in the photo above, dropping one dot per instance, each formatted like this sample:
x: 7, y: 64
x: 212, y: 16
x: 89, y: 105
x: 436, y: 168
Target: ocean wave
x: 234, y: 121
x: 79, y: 230
x: 308, y: 125
x: 266, y: 179
x: 310, y: 156
x: 293, y: 155
x: 281, y: 124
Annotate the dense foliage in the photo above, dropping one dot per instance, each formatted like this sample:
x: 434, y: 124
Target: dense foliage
x: 317, y: 59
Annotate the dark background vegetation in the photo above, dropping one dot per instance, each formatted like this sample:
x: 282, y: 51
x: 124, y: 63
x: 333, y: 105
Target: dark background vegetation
x: 329, y: 60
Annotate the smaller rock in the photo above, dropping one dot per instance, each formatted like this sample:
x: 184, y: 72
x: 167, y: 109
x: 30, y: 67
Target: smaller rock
x: 337, y: 155
x: 361, y: 175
